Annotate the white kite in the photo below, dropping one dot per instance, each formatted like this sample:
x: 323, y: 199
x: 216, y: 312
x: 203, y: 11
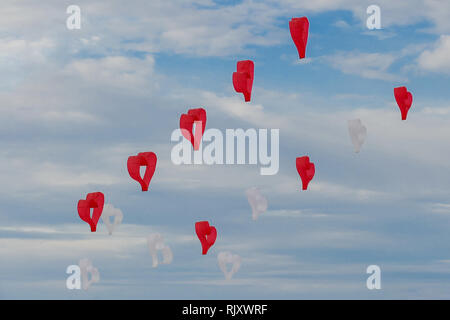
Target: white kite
x: 358, y: 133
x: 156, y: 243
x: 87, y: 268
x: 257, y: 201
x: 108, y: 212
x: 225, y: 258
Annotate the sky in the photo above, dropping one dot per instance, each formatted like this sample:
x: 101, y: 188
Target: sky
x: 75, y: 104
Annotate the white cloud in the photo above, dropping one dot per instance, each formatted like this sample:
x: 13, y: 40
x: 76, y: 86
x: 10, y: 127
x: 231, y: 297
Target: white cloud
x: 393, y: 13
x: 20, y: 57
x: 116, y: 71
x: 438, y: 58
x: 55, y: 176
x: 75, y: 240
x: 442, y: 111
x: 24, y: 51
x: 341, y: 24
x: 193, y: 29
x: 440, y: 208
x: 365, y: 65
x: 69, y: 116
x: 295, y: 213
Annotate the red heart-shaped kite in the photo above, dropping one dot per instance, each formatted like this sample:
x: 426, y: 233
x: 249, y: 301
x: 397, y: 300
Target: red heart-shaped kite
x: 305, y: 169
x: 404, y: 100
x: 134, y: 163
x: 206, y: 234
x: 94, y: 200
x: 187, y: 121
x: 243, y: 78
x: 299, y: 28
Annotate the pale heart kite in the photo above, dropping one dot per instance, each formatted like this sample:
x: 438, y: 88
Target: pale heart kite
x: 257, y: 201
x: 155, y: 243
x: 87, y: 268
x: 224, y: 258
x: 110, y: 211
x: 358, y: 133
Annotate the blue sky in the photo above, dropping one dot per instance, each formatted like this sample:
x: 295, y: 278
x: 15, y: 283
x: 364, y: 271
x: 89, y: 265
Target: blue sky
x: 76, y: 103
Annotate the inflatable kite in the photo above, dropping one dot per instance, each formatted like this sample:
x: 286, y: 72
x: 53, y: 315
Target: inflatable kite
x: 206, y: 234
x: 243, y: 78
x: 187, y: 121
x: 404, y: 100
x: 87, y: 269
x: 306, y: 170
x: 357, y: 132
x: 299, y: 28
x: 108, y: 212
x: 257, y: 202
x: 93, y: 201
x: 134, y: 163
x: 224, y: 258
x: 156, y: 243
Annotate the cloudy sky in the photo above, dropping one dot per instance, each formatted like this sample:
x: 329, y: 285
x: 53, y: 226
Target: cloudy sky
x: 76, y: 103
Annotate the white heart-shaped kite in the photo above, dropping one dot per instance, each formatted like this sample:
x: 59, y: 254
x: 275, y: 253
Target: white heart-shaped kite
x: 156, y: 243
x: 87, y: 268
x: 108, y: 212
x: 257, y: 201
x: 224, y: 258
x: 358, y: 133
